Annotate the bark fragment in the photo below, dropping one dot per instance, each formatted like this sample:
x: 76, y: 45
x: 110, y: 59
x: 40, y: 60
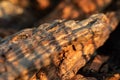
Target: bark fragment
x: 59, y: 49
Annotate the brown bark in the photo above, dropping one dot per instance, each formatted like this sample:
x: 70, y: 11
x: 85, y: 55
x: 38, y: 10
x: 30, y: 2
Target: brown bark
x: 96, y: 63
x: 58, y: 49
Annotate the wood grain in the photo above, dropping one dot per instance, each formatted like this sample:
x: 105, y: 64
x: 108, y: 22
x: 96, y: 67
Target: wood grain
x: 58, y: 50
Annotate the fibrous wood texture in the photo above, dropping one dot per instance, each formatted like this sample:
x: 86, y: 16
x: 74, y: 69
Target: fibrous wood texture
x: 58, y: 49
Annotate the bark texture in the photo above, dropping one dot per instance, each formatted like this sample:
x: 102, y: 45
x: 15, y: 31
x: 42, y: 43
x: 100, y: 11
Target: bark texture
x: 58, y: 50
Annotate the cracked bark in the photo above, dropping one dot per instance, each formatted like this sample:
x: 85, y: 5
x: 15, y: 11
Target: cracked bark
x: 58, y: 50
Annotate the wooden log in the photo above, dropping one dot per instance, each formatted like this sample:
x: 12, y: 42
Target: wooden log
x: 58, y: 49
x: 113, y: 22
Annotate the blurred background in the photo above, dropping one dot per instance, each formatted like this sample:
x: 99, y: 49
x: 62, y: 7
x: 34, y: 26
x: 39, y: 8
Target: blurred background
x: 19, y: 14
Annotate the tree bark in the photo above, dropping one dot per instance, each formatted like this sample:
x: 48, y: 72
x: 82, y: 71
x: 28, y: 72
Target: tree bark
x: 58, y: 50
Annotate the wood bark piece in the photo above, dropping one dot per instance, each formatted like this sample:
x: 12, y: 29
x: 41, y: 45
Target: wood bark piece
x: 114, y: 77
x: 78, y: 77
x: 95, y: 64
x: 58, y: 49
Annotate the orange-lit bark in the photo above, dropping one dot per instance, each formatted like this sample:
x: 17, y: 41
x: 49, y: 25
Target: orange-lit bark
x: 58, y: 50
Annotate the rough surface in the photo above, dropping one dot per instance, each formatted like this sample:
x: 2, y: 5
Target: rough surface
x: 58, y: 49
